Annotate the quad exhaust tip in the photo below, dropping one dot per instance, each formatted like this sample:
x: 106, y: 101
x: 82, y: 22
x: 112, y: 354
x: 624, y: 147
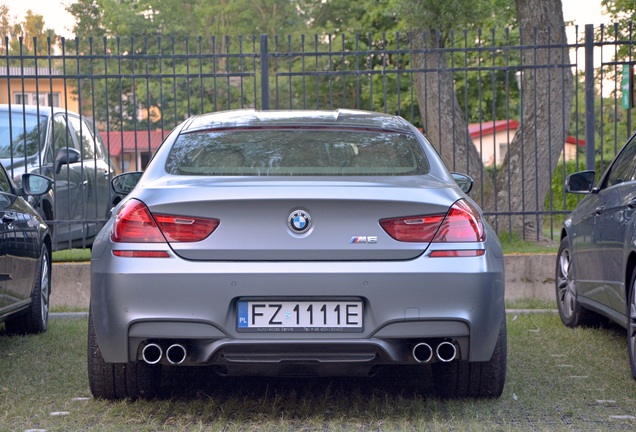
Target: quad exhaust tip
x: 176, y: 354
x: 444, y: 352
x: 153, y: 353
x: 422, y: 352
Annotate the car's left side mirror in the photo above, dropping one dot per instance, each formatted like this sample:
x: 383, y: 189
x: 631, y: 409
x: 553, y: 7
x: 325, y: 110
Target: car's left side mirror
x: 35, y: 184
x: 580, y: 182
x: 465, y: 182
x: 66, y: 156
x: 124, y: 183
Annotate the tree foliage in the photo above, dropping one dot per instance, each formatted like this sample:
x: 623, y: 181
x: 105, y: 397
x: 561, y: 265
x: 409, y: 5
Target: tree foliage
x: 620, y: 10
x: 156, y: 62
x: 24, y: 36
x: 452, y: 15
x: 176, y: 18
x: 125, y: 30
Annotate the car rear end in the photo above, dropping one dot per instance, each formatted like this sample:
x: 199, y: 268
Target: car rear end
x: 305, y: 263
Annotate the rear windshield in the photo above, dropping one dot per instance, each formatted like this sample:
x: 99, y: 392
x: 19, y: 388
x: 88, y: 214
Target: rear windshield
x: 294, y: 152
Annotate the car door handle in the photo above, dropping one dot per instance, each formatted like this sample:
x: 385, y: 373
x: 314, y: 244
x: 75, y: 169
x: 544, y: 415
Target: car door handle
x: 631, y: 203
x: 600, y: 209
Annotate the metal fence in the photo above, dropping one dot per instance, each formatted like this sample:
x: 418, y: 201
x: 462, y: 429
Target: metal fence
x: 133, y: 91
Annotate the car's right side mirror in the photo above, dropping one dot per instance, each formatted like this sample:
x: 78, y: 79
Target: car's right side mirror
x: 580, y: 182
x: 465, y: 182
x: 34, y: 184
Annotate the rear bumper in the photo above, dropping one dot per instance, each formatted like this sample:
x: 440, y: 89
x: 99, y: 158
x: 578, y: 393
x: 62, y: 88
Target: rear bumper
x: 165, y: 301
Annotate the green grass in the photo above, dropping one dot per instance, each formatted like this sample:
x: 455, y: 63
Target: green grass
x: 514, y: 245
x: 522, y: 247
x: 531, y: 303
x: 558, y: 379
x: 72, y: 255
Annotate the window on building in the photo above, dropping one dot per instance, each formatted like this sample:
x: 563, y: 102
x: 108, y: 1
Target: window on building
x: 39, y: 98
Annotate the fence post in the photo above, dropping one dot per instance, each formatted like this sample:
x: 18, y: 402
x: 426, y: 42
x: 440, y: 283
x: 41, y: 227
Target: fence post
x: 264, y: 73
x: 590, y: 150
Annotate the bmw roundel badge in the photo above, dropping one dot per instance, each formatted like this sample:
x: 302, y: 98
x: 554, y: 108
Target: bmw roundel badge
x: 299, y: 221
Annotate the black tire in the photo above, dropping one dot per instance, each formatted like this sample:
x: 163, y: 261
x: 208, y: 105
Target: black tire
x: 119, y: 380
x: 462, y: 379
x: 36, y: 318
x: 571, y: 312
x: 631, y: 324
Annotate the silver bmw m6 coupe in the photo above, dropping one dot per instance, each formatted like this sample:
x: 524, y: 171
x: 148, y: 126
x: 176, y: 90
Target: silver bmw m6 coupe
x: 318, y: 243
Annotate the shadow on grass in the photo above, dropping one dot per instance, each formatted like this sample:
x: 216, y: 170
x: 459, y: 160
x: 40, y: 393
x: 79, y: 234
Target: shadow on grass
x: 196, y: 382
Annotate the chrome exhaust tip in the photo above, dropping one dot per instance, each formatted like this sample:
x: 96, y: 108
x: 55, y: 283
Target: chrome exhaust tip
x: 176, y: 354
x: 446, y: 352
x: 422, y: 352
x: 152, y: 353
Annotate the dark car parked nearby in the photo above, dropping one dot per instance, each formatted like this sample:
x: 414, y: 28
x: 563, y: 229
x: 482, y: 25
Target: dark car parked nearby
x: 65, y: 147
x: 596, y: 262
x: 303, y: 243
x: 25, y: 256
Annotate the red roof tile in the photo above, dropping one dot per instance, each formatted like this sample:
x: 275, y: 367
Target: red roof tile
x: 488, y: 128
x: 129, y: 141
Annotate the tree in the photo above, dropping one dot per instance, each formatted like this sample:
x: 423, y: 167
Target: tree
x: 351, y: 17
x: 23, y: 36
x: 5, y: 20
x: 138, y: 35
x: 443, y: 119
x: 33, y: 28
x: 522, y: 182
x: 88, y: 16
x: 368, y: 32
x: 547, y: 90
x: 620, y: 10
x: 623, y: 14
x: 487, y: 88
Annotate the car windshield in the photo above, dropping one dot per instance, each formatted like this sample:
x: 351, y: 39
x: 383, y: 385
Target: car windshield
x: 297, y: 152
x: 21, y: 134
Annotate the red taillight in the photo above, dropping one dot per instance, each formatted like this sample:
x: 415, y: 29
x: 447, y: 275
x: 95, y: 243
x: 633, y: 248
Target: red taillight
x: 135, y: 224
x: 457, y: 253
x: 185, y: 229
x: 140, y: 254
x: 462, y: 223
x: 413, y: 228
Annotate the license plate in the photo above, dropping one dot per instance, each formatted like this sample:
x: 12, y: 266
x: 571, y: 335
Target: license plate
x: 299, y: 316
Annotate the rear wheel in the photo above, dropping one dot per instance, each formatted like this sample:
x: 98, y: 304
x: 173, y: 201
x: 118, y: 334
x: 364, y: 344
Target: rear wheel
x: 36, y: 318
x: 631, y: 326
x: 461, y: 379
x: 570, y: 310
x: 119, y: 380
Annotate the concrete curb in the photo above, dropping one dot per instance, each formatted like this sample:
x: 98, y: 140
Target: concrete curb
x: 527, y: 277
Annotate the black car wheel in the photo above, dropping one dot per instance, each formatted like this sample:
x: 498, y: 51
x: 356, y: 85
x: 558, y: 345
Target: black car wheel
x: 36, y: 318
x: 462, y: 379
x: 119, y: 380
x: 570, y: 310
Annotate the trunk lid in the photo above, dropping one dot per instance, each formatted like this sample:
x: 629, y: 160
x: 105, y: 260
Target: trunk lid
x: 257, y: 216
